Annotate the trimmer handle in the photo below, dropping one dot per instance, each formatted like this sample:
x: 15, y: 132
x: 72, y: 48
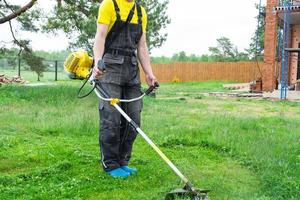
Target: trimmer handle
x: 151, y: 88
x: 101, y: 65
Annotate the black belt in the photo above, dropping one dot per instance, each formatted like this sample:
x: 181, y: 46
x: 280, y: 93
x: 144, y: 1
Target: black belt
x: 120, y: 52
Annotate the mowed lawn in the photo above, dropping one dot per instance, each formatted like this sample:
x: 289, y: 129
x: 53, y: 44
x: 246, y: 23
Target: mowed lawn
x: 238, y: 148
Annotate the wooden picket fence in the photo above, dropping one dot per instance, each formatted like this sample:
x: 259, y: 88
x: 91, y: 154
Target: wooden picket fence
x: 206, y: 71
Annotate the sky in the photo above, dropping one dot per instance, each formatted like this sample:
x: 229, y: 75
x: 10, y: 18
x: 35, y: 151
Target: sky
x: 195, y: 26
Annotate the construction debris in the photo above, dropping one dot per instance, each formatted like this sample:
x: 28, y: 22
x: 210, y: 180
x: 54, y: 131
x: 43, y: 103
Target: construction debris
x: 14, y: 79
x: 225, y: 94
x: 237, y: 86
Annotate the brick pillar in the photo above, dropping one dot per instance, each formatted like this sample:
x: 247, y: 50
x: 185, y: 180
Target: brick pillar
x: 269, y: 68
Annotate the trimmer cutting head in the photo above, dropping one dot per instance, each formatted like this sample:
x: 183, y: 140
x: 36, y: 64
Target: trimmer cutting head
x: 195, y: 194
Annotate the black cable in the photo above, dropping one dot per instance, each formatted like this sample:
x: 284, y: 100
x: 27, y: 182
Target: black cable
x: 80, y: 89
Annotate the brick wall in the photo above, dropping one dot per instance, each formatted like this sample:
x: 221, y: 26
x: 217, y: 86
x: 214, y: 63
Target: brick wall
x: 269, y: 69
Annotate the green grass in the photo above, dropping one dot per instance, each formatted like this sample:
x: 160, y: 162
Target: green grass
x: 31, y: 76
x: 239, y: 148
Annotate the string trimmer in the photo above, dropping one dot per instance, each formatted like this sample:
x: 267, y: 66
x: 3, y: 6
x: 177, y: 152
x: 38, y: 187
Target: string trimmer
x: 78, y: 65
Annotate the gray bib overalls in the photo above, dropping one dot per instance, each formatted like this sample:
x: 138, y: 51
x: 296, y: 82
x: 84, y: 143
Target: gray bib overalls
x: 121, y: 80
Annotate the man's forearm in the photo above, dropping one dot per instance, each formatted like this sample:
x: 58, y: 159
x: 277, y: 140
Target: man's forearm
x: 99, y: 44
x: 144, y: 58
x: 98, y: 48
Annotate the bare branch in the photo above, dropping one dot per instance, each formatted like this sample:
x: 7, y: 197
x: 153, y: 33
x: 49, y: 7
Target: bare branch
x: 16, y: 41
x: 18, y: 12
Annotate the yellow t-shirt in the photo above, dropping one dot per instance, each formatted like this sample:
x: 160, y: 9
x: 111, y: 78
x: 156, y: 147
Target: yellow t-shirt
x: 107, y: 13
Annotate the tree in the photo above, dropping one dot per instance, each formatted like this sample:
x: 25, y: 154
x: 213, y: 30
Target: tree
x: 157, y: 20
x: 204, y: 58
x: 224, y: 51
x: 257, y: 43
x: 160, y: 60
x: 35, y: 63
x: 78, y: 18
x: 25, y: 19
x: 14, y: 10
x: 25, y: 15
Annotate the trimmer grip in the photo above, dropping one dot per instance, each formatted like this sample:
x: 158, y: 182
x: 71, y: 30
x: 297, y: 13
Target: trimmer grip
x: 151, y: 88
x: 101, y: 65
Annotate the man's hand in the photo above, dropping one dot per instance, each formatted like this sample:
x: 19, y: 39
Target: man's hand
x: 97, y: 73
x: 150, y: 79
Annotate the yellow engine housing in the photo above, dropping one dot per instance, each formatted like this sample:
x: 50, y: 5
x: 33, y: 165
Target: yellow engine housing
x: 78, y: 65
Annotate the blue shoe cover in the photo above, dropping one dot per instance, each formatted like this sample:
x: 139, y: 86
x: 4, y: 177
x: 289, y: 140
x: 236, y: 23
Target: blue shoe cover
x: 118, y: 173
x: 129, y: 170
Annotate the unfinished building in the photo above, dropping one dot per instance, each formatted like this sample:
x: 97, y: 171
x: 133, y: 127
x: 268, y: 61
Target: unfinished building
x: 282, y: 46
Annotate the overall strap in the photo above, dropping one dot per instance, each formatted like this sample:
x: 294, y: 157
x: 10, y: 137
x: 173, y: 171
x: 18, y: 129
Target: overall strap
x: 140, y: 14
x: 117, y: 9
x: 118, y: 31
x: 130, y: 15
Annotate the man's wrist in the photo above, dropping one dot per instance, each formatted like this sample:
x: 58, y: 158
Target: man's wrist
x: 150, y: 75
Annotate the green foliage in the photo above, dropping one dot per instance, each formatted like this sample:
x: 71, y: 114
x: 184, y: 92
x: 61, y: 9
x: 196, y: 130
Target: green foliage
x: 8, y: 53
x: 160, y: 60
x: 157, y: 21
x: 35, y: 63
x: 5, y: 10
x: 29, y: 21
x: 78, y: 20
x: 47, y: 55
x: 53, y: 55
x: 26, y: 22
x: 226, y: 51
x: 181, y: 56
x: 257, y: 43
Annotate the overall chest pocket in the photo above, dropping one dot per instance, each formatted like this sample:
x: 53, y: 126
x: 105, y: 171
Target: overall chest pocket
x: 113, y: 63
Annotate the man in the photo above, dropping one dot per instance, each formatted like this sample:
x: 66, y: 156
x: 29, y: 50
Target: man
x: 120, y: 37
